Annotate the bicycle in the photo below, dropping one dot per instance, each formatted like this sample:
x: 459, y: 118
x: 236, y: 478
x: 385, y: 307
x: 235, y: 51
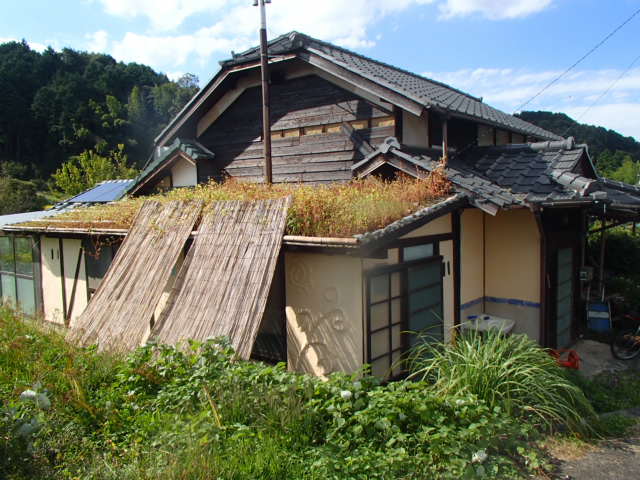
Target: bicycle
x: 625, y: 344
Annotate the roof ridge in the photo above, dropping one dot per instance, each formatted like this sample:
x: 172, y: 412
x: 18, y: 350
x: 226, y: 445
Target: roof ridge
x: 388, y: 65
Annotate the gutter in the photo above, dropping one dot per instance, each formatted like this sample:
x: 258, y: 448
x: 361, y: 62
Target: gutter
x: 299, y: 240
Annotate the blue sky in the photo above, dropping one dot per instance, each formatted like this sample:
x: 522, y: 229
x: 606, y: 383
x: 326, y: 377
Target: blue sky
x: 502, y: 50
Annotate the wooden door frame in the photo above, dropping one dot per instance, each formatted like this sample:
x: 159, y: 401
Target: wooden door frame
x: 554, y: 243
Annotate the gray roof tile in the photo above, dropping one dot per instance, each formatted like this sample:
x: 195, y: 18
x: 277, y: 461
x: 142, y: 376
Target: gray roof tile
x: 423, y: 90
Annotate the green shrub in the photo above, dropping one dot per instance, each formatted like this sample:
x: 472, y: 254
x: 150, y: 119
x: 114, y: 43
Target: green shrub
x: 196, y: 413
x: 610, y: 391
x: 509, y: 372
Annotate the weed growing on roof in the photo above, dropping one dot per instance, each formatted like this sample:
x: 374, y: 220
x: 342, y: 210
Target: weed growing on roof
x: 338, y: 209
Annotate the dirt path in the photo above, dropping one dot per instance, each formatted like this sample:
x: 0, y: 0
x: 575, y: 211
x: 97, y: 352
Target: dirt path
x: 610, y: 460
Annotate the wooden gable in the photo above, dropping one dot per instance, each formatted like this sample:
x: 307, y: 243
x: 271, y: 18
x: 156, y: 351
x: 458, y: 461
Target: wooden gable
x: 310, y: 143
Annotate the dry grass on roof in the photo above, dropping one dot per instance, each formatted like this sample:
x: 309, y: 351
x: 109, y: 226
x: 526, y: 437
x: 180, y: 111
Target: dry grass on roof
x: 333, y: 210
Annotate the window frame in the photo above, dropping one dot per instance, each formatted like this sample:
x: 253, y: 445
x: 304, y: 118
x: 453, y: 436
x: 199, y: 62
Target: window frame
x: 402, y: 268
x: 19, y: 275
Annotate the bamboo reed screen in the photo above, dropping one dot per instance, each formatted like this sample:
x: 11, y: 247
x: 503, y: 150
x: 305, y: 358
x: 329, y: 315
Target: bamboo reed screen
x: 119, y: 314
x: 224, y: 283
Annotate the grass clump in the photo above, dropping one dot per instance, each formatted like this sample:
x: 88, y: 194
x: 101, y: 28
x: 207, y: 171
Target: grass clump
x: 196, y: 413
x: 508, y: 372
x: 338, y: 209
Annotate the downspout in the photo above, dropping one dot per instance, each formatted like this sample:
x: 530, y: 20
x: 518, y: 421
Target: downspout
x: 543, y: 277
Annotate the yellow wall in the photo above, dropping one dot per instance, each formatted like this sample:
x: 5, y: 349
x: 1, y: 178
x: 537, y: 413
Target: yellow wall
x: 471, y: 255
x: 512, y: 243
x: 512, y: 263
x: 325, y: 323
x: 435, y: 227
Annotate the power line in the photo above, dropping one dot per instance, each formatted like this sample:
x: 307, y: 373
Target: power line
x: 598, y: 45
x: 603, y: 94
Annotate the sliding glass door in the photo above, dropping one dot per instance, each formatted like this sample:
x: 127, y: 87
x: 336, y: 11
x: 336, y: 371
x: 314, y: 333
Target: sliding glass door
x: 17, y: 273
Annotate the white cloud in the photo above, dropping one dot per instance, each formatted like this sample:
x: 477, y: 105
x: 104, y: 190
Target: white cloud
x: 508, y: 89
x: 163, y: 14
x: 235, y: 22
x: 98, y: 41
x: 38, y: 47
x: 492, y: 9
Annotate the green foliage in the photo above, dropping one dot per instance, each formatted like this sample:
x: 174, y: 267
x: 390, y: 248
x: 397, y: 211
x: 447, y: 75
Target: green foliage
x: 58, y: 104
x: 616, y: 425
x: 610, y: 391
x: 89, y: 168
x: 622, y: 262
x: 18, y: 196
x: 512, y: 373
x: 195, y: 412
x: 599, y: 139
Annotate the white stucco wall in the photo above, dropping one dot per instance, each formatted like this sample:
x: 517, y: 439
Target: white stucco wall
x: 51, y: 280
x: 184, y: 174
x: 52, y: 291
x: 415, y: 130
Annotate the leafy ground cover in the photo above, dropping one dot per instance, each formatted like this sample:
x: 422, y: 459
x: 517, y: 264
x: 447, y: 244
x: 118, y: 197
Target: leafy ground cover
x: 197, y: 414
x: 320, y: 210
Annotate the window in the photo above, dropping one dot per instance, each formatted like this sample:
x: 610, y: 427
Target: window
x: 404, y: 306
x: 17, y: 273
x: 97, y: 261
x: 388, y: 121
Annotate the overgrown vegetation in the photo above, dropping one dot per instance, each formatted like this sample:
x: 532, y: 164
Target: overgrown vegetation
x: 91, y: 167
x: 340, y: 209
x: 56, y: 105
x: 196, y: 413
x: 511, y: 373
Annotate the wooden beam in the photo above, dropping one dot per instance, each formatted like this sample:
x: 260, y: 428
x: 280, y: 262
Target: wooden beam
x: 317, y: 59
x: 67, y: 320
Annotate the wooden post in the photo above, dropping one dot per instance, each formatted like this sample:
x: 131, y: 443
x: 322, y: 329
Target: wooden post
x: 266, y: 108
x: 603, y: 241
x: 445, y: 141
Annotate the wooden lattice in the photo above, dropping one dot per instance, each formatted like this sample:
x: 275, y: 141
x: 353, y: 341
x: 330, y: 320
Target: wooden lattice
x: 223, y: 285
x: 119, y: 314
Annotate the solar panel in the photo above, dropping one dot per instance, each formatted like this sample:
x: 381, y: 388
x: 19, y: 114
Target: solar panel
x: 108, y: 191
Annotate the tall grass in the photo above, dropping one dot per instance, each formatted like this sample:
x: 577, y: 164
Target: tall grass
x: 338, y: 209
x: 509, y: 372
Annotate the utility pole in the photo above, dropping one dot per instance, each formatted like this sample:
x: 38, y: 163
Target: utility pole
x: 266, y: 107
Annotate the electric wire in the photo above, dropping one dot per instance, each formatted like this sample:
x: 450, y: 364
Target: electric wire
x: 604, y: 93
x: 598, y: 45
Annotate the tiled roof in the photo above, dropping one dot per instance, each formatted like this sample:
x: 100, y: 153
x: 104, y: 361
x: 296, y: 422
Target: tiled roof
x: 520, y: 175
x: 531, y: 172
x: 425, y: 91
x: 192, y: 148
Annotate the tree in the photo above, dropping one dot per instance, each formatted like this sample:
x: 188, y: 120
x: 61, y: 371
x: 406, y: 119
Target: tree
x: 628, y: 172
x: 17, y: 196
x: 84, y: 171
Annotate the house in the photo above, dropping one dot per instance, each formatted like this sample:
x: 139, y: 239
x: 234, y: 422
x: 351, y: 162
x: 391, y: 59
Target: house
x: 507, y: 241
x: 54, y: 275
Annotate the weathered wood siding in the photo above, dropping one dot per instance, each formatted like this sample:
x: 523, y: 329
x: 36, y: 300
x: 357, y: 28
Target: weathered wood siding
x: 309, y: 101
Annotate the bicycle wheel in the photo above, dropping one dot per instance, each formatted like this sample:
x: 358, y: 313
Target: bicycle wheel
x: 626, y: 345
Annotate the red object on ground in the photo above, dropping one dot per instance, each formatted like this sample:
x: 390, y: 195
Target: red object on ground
x: 566, y: 358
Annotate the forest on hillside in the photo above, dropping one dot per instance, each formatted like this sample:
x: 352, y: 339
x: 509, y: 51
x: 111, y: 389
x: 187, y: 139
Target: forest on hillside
x: 614, y: 155
x: 69, y: 119
x: 57, y: 107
